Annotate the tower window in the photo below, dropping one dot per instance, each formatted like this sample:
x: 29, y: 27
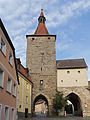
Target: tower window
x: 33, y: 38
x: 48, y: 37
x: 41, y: 68
x: 41, y: 82
x: 68, y: 72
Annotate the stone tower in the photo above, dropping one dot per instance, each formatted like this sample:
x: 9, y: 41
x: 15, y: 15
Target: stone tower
x: 41, y: 60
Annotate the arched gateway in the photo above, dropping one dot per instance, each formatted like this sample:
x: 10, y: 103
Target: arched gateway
x: 41, y: 105
x: 74, y: 105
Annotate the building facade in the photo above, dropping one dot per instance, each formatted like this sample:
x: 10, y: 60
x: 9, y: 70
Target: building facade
x: 41, y: 61
x: 72, y: 80
x: 24, y: 101
x: 8, y: 77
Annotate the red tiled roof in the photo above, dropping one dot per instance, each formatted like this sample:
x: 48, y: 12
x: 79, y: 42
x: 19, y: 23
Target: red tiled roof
x: 41, y: 29
x: 24, y: 71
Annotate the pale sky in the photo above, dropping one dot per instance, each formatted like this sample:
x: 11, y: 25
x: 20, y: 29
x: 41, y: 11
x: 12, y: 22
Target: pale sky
x: 68, y: 19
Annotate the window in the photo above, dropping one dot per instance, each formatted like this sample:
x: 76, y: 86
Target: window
x: 10, y: 58
x: 26, y: 99
x: 14, y: 90
x: 61, y: 80
x: 12, y: 114
x: 78, y: 71
x: 6, y: 113
x: 20, y: 106
x: 2, y: 46
x: 0, y: 111
x: 9, y: 82
x: 1, y: 77
x: 27, y: 86
x: 33, y: 38
x: 68, y: 72
x: 41, y: 82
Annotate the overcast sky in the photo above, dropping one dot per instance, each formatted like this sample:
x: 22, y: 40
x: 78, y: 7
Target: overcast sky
x: 68, y: 19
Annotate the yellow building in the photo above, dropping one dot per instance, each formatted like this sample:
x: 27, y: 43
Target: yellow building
x: 24, y: 91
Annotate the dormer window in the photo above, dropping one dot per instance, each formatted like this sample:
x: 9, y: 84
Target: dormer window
x: 10, y: 58
x: 2, y: 46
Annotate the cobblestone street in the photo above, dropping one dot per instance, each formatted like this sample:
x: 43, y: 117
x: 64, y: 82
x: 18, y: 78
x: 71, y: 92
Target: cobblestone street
x: 61, y: 118
x: 58, y: 118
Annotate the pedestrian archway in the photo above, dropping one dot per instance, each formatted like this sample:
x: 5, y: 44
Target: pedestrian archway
x: 74, y: 105
x: 40, y: 105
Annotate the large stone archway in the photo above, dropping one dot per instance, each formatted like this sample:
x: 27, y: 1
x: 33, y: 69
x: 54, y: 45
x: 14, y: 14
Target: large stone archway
x: 41, y: 105
x: 83, y: 95
x: 76, y: 102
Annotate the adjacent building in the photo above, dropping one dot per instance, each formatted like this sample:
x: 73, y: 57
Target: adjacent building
x: 72, y: 80
x: 8, y: 76
x: 24, y: 103
x: 72, y: 73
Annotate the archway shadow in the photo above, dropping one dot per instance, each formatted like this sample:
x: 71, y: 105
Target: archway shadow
x: 75, y: 107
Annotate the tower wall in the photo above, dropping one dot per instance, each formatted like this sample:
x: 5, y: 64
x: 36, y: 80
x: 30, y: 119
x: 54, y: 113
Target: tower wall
x: 41, y: 60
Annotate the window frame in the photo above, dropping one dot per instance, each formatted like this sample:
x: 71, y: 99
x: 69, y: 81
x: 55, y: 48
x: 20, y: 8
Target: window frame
x: 27, y: 98
x: 12, y: 109
x: 0, y: 111
x: 10, y: 85
x: 10, y: 59
x: 2, y: 77
x: 2, y: 46
x: 14, y: 90
x: 8, y: 112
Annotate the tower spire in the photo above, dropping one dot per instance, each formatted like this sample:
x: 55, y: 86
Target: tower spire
x: 41, y: 29
x: 41, y: 18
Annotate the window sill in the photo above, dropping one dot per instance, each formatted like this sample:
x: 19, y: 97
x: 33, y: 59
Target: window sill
x: 14, y: 96
x: 10, y: 64
x: 8, y: 92
x: 3, y: 53
x: 1, y: 87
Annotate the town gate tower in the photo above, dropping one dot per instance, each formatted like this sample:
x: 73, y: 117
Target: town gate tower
x: 41, y: 61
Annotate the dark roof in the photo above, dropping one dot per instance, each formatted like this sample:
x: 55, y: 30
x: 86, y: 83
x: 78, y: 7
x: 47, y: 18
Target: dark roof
x: 71, y: 63
x: 10, y: 43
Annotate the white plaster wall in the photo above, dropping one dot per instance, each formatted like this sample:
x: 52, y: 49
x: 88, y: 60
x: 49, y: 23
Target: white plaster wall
x: 73, y: 78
